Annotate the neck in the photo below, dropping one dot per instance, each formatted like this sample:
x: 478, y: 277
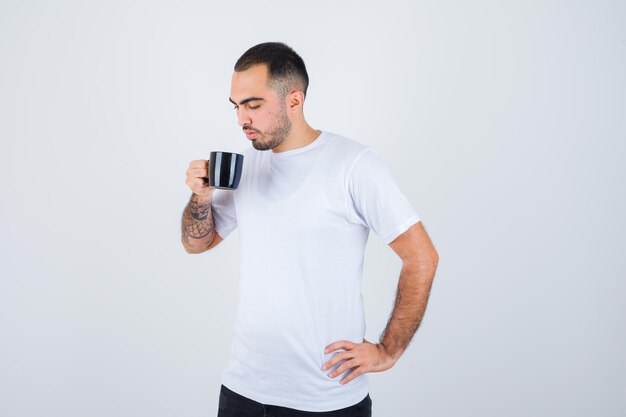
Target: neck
x: 301, y: 135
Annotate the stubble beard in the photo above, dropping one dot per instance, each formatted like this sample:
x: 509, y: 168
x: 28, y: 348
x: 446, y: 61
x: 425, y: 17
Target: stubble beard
x: 276, y: 135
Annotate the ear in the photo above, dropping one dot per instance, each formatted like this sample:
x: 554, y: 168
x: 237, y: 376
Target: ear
x: 295, y: 101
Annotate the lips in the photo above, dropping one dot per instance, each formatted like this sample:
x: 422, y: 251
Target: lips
x: 251, y: 134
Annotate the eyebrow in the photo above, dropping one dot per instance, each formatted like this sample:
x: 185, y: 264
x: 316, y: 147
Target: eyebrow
x: 249, y: 99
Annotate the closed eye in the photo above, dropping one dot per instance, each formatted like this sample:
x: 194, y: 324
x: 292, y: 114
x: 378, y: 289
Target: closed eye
x: 247, y: 102
x: 248, y: 106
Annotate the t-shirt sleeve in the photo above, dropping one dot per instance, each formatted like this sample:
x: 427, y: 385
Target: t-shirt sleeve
x: 224, y: 214
x: 376, y: 201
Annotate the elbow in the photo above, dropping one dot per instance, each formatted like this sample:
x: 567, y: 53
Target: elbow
x: 434, y: 260
x: 428, y: 260
x: 190, y: 251
x: 425, y: 265
x: 432, y: 263
x: 425, y: 268
x: 193, y: 250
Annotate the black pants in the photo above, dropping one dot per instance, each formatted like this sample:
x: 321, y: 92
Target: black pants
x: 235, y: 405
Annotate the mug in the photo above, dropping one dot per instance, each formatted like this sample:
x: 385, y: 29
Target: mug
x: 225, y: 170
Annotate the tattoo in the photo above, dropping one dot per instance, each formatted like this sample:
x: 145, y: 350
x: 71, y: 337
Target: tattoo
x: 199, y: 211
x: 197, y: 221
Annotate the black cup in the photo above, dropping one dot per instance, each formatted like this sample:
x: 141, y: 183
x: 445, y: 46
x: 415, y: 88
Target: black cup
x: 225, y: 170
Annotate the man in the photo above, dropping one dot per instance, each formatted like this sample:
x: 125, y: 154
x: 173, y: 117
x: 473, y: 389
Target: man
x: 304, y: 211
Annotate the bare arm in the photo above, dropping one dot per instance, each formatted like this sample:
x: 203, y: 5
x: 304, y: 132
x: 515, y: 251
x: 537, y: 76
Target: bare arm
x: 419, y: 263
x: 197, y: 229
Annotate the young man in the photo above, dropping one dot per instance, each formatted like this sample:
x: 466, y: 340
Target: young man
x: 304, y: 210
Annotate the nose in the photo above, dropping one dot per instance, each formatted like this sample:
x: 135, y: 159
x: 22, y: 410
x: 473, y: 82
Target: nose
x: 242, y: 117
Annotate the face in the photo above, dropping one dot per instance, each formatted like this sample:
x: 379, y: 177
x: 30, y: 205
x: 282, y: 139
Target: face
x: 260, y: 111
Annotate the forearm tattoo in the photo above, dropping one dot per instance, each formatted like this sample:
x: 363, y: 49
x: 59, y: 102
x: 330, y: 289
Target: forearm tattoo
x: 197, y: 220
x: 199, y: 212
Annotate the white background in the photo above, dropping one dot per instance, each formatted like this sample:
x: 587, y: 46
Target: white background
x: 503, y: 122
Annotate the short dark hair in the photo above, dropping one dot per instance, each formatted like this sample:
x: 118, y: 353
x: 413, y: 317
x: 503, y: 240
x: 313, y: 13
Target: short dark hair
x: 285, y: 67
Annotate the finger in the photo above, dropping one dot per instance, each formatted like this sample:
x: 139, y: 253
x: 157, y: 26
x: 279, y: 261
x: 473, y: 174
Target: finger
x: 199, y: 163
x: 193, y: 181
x: 342, y: 344
x: 198, y: 184
x: 356, y: 372
x: 336, y: 359
x: 343, y: 368
x: 198, y: 172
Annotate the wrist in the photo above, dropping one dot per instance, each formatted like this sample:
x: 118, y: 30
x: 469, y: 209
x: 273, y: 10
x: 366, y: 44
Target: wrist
x: 201, y: 199
x: 384, y: 351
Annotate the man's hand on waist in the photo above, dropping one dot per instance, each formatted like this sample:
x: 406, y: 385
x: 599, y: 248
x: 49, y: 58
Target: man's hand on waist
x: 360, y: 358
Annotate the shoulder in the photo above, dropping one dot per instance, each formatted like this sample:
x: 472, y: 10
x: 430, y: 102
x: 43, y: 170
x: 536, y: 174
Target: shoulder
x: 344, y: 143
x: 344, y: 148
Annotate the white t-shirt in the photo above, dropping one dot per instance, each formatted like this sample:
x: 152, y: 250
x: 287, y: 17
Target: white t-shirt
x: 304, y: 216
